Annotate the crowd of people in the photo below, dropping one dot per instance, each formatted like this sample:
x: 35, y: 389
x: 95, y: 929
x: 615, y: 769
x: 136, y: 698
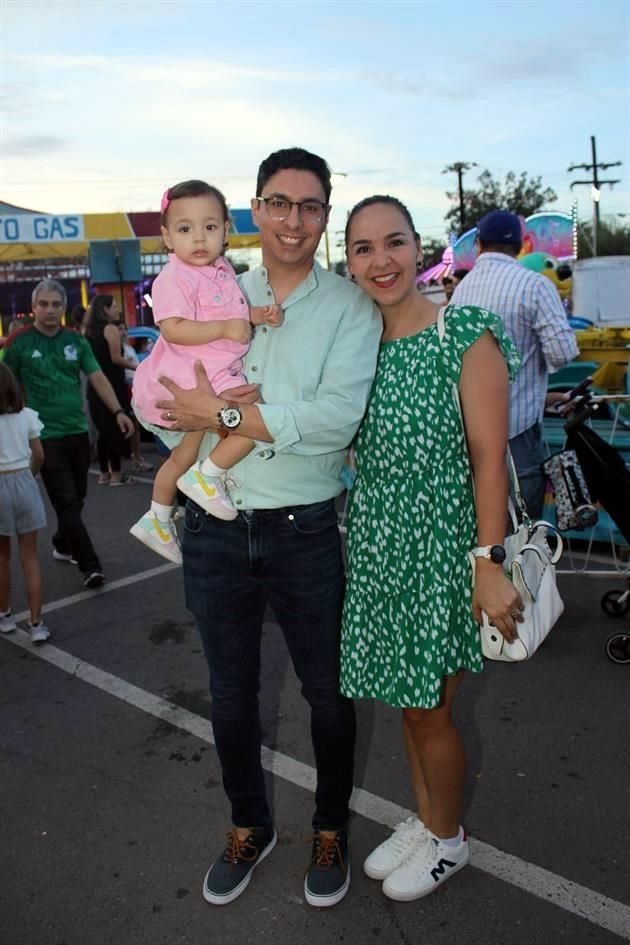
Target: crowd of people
x: 367, y: 360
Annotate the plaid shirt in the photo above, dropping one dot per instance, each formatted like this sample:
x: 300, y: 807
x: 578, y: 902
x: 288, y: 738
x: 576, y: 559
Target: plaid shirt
x: 535, y: 320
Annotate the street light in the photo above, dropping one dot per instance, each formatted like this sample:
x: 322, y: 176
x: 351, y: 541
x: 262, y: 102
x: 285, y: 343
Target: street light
x: 326, y: 240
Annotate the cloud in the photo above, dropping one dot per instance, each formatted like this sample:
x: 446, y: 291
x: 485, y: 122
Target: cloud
x: 34, y: 145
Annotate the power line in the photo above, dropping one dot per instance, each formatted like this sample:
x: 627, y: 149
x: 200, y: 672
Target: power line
x: 594, y: 183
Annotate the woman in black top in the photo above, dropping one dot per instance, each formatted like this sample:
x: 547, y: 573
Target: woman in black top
x: 104, y: 336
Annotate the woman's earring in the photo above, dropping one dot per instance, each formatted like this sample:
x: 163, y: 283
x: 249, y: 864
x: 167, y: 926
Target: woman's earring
x: 353, y: 278
x: 420, y: 264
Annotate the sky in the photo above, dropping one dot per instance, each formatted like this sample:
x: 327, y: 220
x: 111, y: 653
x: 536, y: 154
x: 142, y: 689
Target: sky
x: 105, y: 104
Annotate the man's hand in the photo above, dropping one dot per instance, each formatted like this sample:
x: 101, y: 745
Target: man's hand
x: 125, y: 425
x: 194, y: 409
x: 244, y: 394
x: 237, y: 329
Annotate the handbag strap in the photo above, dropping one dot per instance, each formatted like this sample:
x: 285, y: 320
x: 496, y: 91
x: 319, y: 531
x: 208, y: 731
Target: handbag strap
x: 513, y: 475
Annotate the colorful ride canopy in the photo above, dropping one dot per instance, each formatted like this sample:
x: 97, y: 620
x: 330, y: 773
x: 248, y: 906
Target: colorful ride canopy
x: 551, y: 233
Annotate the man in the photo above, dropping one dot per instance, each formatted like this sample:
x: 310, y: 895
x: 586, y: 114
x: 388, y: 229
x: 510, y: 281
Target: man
x: 314, y: 375
x: 48, y: 360
x: 535, y: 320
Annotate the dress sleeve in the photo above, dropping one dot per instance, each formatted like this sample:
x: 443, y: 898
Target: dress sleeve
x: 464, y: 324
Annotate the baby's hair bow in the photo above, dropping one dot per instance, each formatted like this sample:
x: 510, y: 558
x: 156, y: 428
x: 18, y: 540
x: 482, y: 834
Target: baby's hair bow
x: 165, y: 201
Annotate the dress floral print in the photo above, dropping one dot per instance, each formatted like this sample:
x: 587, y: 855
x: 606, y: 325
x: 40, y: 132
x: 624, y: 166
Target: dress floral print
x: 407, y: 618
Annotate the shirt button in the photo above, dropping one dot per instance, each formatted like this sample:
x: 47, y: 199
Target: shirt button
x: 253, y: 368
x: 239, y: 501
x: 217, y: 298
x: 242, y: 301
x: 270, y: 293
x: 264, y: 328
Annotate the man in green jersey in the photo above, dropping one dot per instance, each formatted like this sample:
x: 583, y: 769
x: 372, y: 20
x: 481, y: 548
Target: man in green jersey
x: 48, y: 360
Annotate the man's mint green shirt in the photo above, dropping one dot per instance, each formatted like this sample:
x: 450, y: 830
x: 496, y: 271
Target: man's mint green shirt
x: 315, y: 373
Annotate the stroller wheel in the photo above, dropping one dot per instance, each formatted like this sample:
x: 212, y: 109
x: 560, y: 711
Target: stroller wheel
x: 618, y: 648
x: 613, y: 605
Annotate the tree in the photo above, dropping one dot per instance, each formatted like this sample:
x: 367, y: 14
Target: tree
x: 613, y: 239
x: 432, y: 251
x: 521, y: 195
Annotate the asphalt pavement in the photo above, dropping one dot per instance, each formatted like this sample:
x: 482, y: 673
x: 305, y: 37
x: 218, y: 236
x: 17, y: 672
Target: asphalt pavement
x: 112, y: 805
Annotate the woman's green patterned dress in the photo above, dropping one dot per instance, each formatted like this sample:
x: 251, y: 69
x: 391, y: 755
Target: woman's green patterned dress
x: 407, y: 619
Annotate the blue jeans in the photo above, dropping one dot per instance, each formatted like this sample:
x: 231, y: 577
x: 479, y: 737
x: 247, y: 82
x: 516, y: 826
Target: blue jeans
x: 529, y: 453
x: 291, y: 559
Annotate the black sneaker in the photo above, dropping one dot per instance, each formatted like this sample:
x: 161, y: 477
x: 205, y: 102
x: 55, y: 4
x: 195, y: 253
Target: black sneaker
x: 328, y: 877
x: 229, y: 876
x: 94, y: 579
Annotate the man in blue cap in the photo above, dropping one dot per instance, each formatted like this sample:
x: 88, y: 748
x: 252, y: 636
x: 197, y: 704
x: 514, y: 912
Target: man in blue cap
x: 534, y: 318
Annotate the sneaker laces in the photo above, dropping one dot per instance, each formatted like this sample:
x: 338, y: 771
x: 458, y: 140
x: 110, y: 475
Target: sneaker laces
x: 231, y: 482
x: 399, y: 840
x: 239, y: 851
x: 424, y: 850
x: 327, y: 851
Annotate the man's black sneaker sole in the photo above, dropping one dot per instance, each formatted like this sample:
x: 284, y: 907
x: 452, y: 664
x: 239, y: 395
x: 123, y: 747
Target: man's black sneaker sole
x: 330, y: 900
x: 222, y: 899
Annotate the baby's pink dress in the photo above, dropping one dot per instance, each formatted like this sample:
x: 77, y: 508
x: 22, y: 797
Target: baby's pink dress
x: 203, y: 294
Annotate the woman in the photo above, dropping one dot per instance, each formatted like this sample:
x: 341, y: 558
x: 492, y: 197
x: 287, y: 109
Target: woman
x: 410, y: 626
x: 104, y: 336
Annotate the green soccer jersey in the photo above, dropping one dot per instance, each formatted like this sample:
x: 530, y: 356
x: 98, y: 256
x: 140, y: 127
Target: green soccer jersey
x: 49, y: 369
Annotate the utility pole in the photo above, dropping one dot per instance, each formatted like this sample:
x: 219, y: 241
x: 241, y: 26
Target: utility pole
x: 458, y: 168
x: 595, y: 184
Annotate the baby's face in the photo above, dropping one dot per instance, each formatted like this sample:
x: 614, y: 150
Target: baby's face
x: 195, y: 229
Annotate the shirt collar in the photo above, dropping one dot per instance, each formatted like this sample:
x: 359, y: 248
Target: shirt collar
x: 496, y: 257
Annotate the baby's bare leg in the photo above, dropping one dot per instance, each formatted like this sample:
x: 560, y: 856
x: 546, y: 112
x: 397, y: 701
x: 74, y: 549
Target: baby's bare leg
x: 231, y: 450
x: 182, y: 457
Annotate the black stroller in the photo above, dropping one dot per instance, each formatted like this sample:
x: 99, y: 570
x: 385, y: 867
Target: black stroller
x: 608, y: 481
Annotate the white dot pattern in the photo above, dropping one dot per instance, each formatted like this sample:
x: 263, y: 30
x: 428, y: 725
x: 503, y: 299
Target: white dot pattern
x: 407, y: 618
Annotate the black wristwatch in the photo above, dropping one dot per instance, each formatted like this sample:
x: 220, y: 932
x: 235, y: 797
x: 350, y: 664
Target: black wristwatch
x: 229, y: 417
x: 494, y: 553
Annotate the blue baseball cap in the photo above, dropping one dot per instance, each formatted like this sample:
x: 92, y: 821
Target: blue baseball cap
x: 501, y: 227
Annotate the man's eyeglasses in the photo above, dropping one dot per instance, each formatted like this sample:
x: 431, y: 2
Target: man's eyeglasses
x: 279, y: 208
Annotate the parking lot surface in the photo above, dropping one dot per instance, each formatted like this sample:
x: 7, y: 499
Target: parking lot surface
x: 113, y: 807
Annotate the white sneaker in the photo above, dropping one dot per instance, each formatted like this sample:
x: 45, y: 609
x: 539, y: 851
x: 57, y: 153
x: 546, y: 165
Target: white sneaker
x: 426, y: 868
x: 7, y: 622
x: 158, y: 536
x: 39, y: 632
x: 208, y: 492
x: 388, y: 855
x: 59, y: 556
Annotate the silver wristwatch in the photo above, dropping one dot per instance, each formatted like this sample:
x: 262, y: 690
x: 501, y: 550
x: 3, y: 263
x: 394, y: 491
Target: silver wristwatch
x: 229, y: 417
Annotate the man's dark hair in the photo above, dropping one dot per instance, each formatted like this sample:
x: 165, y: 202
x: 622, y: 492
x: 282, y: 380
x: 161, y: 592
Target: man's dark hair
x: 380, y: 198
x: 508, y: 249
x: 460, y: 273
x: 294, y: 159
x: 194, y: 188
x: 11, y: 396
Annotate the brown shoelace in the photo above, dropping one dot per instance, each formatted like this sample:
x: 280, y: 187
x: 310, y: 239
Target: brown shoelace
x: 239, y: 851
x: 325, y: 849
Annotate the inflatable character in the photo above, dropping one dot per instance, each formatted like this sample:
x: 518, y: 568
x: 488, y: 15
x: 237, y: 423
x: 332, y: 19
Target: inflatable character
x: 558, y: 272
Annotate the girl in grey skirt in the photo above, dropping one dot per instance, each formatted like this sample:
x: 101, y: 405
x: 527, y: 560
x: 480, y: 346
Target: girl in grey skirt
x: 21, y: 508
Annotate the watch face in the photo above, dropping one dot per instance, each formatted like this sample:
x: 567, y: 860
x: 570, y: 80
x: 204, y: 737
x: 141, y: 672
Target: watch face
x: 231, y: 417
x: 497, y: 554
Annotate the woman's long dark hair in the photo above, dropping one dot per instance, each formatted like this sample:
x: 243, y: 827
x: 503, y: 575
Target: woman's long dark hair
x: 11, y: 396
x: 96, y: 318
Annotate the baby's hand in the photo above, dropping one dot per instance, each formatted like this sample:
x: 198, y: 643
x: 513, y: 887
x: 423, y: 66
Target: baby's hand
x: 266, y: 315
x: 237, y: 329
